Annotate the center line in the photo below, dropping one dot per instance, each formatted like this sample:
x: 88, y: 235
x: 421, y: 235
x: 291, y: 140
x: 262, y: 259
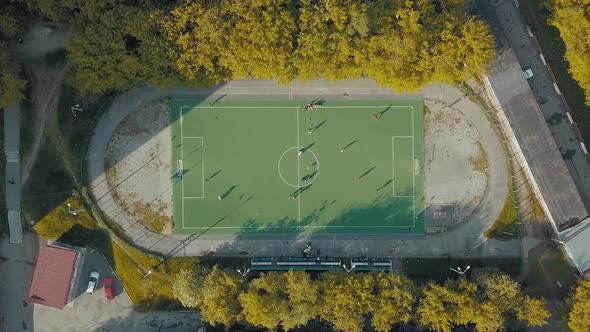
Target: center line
x: 298, y: 175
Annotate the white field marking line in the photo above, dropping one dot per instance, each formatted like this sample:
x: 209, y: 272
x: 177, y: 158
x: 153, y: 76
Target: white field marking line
x: 306, y: 226
x: 414, y: 172
x: 229, y: 86
x: 299, y: 202
x: 296, y: 107
x: 298, y: 178
x: 182, y: 174
x: 202, y: 164
x: 393, y: 174
x: 393, y: 165
x: 285, y: 93
x: 202, y: 172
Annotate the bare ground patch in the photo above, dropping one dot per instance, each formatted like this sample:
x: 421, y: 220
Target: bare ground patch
x: 455, y: 166
x: 138, y: 167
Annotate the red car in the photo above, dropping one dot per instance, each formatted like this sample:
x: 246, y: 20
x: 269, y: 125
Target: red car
x: 108, y: 288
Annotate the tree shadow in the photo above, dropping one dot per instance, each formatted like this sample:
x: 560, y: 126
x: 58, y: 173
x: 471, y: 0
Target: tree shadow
x: 178, y: 321
x: 91, y: 238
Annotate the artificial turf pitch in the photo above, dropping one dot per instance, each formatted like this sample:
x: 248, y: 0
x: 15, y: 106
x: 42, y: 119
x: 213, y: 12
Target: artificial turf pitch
x: 252, y: 167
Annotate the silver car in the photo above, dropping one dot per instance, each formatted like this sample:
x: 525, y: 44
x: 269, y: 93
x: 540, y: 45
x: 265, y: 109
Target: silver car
x: 92, y: 282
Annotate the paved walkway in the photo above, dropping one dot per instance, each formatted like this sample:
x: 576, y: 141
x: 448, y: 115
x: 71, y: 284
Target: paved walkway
x: 12, y: 179
x: 510, y: 31
x: 40, y: 40
x: 464, y: 240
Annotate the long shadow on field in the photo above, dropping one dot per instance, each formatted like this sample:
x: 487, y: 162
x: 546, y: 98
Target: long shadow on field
x: 286, y: 237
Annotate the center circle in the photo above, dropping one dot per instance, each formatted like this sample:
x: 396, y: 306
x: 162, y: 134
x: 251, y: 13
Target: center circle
x: 298, y: 166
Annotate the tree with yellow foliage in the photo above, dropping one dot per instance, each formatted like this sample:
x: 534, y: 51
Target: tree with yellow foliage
x: 266, y: 303
x: 220, y: 297
x: 304, y: 299
x: 11, y: 86
x: 579, y: 316
x: 347, y: 299
x: 395, y: 297
x: 443, y: 307
x: 188, y: 286
x: 572, y: 18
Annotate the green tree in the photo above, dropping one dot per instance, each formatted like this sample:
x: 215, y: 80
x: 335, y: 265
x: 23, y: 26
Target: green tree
x: 9, y: 25
x: 347, y: 299
x: 579, y: 316
x: 332, y: 37
x: 56, y: 10
x: 262, y: 40
x: 188, y: 286
x: 573, y: 21
x: 220, y: 297
x: 197, y: 34
x: 11, y: 88
x: 393, y: 302
x: 114, y: 47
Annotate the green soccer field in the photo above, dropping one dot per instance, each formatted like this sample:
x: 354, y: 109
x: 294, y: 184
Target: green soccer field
x: 271, y: 167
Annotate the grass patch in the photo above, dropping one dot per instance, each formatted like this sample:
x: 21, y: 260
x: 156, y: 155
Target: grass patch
x: 554, y: 53
x: 48, y: 184
x: 538, y: 212
x: 507, y: 225
x: 153, y: 292
x: 548, y: 265
x: 27, y: 127
x: 479, y: 163
x: 151, y: 216
x: 77, y: 130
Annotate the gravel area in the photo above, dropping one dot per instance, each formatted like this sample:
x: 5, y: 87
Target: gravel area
x: 455, y: 166
x: 138, y: 161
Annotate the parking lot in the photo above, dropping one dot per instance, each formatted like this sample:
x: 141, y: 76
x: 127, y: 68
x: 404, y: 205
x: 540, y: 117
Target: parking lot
x: 91, y: 312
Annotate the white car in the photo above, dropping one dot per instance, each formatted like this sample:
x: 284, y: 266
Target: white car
x: 92, y: 282
x: 528, y: 73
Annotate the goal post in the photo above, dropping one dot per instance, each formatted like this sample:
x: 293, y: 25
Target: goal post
x: 179, y: 167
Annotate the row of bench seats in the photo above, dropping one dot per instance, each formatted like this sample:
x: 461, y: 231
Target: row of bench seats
x: 318, y: 264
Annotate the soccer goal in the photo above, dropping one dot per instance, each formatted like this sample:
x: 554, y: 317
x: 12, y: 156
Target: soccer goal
x: 179, y: 167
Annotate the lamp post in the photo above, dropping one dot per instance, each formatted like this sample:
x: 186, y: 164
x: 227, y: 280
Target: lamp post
x: 145, y: 275
x: 459, y: 270
x: 75, y: 212
x: 347, y: 269
x: 243, y: 273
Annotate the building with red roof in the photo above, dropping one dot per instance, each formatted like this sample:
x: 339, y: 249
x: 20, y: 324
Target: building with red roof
x: 55, y: 274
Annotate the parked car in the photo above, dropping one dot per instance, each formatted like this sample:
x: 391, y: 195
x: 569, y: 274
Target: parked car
x: 528, y: 73
x: 92, y: 282
x: 108, y: 288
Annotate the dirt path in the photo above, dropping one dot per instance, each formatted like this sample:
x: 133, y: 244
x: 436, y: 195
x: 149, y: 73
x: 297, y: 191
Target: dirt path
x: 45, y: 97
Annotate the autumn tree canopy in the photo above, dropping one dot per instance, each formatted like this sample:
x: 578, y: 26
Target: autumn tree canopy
x: 572, y: 18
x: 579, y: 316
x: 11, y: 86
x: 402, y: 44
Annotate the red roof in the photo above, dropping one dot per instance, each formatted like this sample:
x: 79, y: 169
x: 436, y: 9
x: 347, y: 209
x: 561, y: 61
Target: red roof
x: 53, y: 276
